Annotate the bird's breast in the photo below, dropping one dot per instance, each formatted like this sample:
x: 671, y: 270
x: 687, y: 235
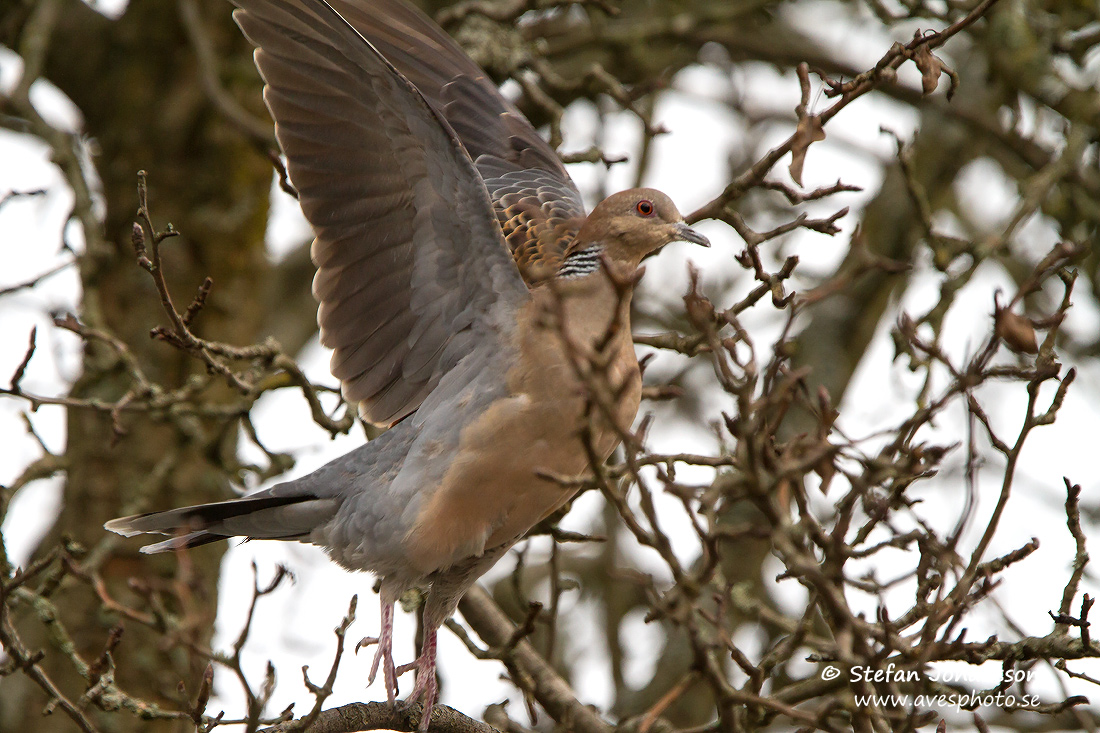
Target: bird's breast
x: 574, y: 381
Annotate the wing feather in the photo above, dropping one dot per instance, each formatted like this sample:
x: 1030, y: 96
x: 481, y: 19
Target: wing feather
x: 509, y: 153
x: 408, y: 247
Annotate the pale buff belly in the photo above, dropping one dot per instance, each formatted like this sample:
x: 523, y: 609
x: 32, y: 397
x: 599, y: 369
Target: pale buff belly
x: 495, y: 490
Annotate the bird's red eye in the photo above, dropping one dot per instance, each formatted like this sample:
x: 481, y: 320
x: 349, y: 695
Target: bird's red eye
x: 644, y: 207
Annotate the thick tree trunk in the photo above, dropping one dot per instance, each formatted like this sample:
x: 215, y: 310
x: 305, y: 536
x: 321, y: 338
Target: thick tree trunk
x: 138, y: 86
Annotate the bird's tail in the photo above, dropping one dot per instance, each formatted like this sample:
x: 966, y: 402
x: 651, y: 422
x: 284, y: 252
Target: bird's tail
x: 263, y: 516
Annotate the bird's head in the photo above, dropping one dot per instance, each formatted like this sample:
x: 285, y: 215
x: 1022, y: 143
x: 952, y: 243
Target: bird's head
x: 632, y: 224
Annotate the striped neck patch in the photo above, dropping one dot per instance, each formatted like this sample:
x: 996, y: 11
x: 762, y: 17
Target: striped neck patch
x: 581, y: 262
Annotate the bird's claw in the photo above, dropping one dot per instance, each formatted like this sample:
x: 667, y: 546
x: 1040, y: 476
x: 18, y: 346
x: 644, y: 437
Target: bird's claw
x: 404, y: 668
x: 426, y: 687
x: 425, y: 694
x: 383, y: 656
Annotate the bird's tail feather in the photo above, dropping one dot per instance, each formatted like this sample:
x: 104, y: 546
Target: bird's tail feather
x: 255, y: 517
x: 183, y: 542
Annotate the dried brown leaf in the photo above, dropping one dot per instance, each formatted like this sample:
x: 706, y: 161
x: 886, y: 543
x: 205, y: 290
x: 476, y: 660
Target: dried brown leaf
x: 1016, y: 331
x: 931, y: 67
x: 809, y: 131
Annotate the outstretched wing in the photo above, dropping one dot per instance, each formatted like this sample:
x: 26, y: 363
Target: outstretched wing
x: 411, y: 267
x: 537, y: 204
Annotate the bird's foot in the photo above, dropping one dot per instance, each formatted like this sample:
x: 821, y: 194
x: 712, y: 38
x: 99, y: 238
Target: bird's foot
x: 426, y: 688
x: 383, y: 656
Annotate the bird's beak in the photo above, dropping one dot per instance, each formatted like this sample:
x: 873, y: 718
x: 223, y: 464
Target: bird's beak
x: 687, y: 234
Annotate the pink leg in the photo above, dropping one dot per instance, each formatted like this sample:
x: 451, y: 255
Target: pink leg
x: 384, y: 655
x: 426, y: 687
